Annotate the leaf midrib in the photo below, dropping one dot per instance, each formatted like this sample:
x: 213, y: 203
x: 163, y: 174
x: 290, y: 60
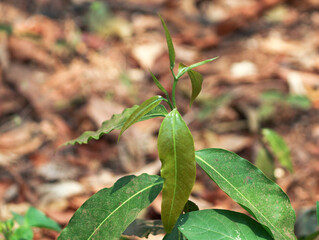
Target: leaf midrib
x: 126, y: 201
x: 265, y: 218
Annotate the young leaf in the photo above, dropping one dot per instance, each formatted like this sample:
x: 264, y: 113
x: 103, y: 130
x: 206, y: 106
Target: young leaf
x: 22, y: 233
x: 143, y: 109
x: 158, y: 84
x: 183, y: 69
x: 248, y: 186
x: 176, y: 152
x: 278, y: 147
x: 220, y: 224
x: 111, y: 210
x: 116, y: 122
x: 170, y: 45
x: 265, y: 163
x: 36, y: 218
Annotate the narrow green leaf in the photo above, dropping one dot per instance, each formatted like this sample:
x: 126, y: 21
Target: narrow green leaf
x: 265, y: 163
x: 142, y: 228
x: 220, y: 224
x: 36, y: 218
x: 197, y: 80
x: 116, y: 122
x: 183, y: 69
x: 158, y: 84
x: 248, y: 186
x: 143, y: 109
x: 111, y: 210
x: 176, y: 152
x: 279, y: 148
x: 170, y: 45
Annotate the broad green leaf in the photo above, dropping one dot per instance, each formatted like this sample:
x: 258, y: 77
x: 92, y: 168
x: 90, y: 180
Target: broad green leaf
x: 143, y: 228
x: 220, y: 224
x: 190, y: 207
x: 182, y: 69
x: 265, y: 163
x: 22, y: 233
x: 116, y: 122
x: 170, y: 45
x: 250, y: 188
x: 110, y: 211
x: 176, y: 152
x: 36, y: 218
x: 306, y: 224
x: 143, y: 109
x: 174, y: 235
x: 278, y: 147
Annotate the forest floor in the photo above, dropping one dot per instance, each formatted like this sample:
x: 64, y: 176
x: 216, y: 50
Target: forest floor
x: 66, y: 66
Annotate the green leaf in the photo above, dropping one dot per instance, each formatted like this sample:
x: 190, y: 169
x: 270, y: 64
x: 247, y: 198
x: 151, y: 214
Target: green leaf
x: 36, y: 218
x: 250, y: 188
x: 116, y: 122
x: 18, y: 218
x: 158, y: 84
x: 170, y: 45
x: 220, y: 224
x: 174, y: 235
x: 265, y: 163
x: 190, y: 206
x: 176, y: 152
x: 143, y: 109
x: 182, y: 69
x: 143, y: 228
x: 278, y: 147
x: 22, y: 233
x: 313, y: 236
x: 111, y: 210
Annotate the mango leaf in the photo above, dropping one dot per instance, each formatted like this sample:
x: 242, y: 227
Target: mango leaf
x: 142, y: 228
x: 171, y: 50
x: 22, y: 233
x: 143, y: 109
x: 265, y: 163
x: 174, y: 235
x: 111, y: 210
x: 36, y: 218
x: 158, y: 84
x: 176, y: 152
x: 220, y: 224
x: 279, y: 148
x: 182, y: 69
x: 116, y: 122
x: 250, y: 188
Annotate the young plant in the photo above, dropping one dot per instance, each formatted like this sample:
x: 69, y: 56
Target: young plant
x: 109, y: 212
x: 20, y: 227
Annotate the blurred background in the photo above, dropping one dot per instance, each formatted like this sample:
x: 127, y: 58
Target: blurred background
x: 68, y: 65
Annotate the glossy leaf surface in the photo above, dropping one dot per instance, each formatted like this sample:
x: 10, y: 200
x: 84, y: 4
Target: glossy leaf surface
x: 111, y: 210
x: 143, y: 109
x: 250, y: 188
x: 36, y: 218
x: 182, y: 69
x: 220, y: 224
x: 170, y: 46
x: 278, y: 147
x: 176, y: 152
x: 116, y: 122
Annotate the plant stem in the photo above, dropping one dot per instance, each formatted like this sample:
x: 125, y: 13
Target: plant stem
x: 174, y: 86
x: 168, y: 101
